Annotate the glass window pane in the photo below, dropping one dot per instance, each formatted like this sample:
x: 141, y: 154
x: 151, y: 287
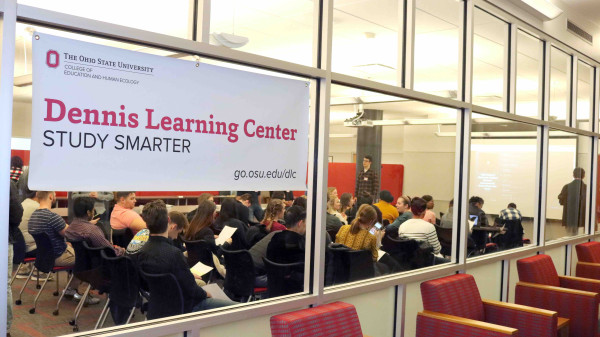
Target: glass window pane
x: 568, y: 180
x: 489, y: 60
x: 437, y: 30
x: 273, y: 28
x: 185, y: 202
x: 152, y: 15
x: 365, y: 39
x: 503, y: 175
x: 585, y: 85
x: 560, y: 86
x: 381, y: 151
x: 530, y: 55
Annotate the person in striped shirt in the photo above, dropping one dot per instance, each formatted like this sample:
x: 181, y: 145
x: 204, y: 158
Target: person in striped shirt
x: 419, y: 229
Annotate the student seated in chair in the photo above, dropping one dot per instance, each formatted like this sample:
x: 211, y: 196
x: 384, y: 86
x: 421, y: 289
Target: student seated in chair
x: 159, y: 256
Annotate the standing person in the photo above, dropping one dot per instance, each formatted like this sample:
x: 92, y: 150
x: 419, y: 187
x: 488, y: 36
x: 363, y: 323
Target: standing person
x: 15, y: 214
x: 367, y: 180
x: 572, y: 198
x: 388, y: 211
x: 429, y: 215
x: 123, y: 216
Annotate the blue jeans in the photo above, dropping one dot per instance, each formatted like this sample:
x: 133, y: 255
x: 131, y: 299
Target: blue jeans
x: 212, y: 303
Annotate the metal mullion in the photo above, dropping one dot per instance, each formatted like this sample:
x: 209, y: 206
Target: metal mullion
x: 8, y: 23
x: 360, y: 83
x: 322, y: 58
x: 400, y: 310
x: 596, y: 100
x: 465, y: 82
x: 410, y: 16
x: 546, y: 83
x: 539, y: 222
x: 203, y: 27
x: 510, y: 86
x: 460, y: 233
x: 593, y: 182
x: 574, y: 68
x: 77, y: 24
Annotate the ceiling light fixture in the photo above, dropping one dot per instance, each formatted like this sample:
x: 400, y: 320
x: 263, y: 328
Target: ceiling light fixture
x: 542, y: 9
x: 230, y: 40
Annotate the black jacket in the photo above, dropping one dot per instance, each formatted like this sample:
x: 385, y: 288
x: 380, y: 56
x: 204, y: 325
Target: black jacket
x: 15, y: 214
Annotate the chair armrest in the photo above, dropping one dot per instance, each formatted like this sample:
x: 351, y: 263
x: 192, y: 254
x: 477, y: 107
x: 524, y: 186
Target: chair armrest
x: 581, y: 307
x: 588, y: 270
x: 431, y: 324
x: 529, y: 321
x: 580, y: 283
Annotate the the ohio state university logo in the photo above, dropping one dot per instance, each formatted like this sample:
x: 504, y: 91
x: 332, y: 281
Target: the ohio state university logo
x: 52, y: 59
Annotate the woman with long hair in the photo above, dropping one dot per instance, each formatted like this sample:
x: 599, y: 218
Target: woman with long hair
x: 333, y: 207
x: 356, y: 235
x: 228, y: 217
x: 200, y: 226
x: 347, y: 202
x: 270, y: 222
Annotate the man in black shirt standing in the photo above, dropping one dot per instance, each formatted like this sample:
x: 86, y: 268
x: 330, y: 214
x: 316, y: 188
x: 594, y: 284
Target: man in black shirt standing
x: 160, y: 256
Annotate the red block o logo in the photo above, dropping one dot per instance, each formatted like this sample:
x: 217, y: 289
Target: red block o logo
x: 52, y: 59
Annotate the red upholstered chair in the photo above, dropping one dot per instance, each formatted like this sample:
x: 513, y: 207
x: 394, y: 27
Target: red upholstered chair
x: 337, y: 319
x: 588, y: 255
x: 575, y: 298
x: 453, y: 307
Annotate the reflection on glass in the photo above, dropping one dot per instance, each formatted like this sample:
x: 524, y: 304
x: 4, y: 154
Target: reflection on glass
x: 365, y: 40
x: 568, y: 180
x: 560, y: 84
x: 383, y: 154
x: 529, y: 72
x: 436, y: 67
x: 585, y: 80
x: 489, y: 60
x: 277, y: 29
x: 501, y: 183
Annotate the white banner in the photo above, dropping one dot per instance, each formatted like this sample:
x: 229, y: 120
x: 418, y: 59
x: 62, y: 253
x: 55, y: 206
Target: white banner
x: 115, y: 120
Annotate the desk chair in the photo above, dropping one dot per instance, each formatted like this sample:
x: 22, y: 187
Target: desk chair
x: 201, y: 251
x: 240, y: 276
x: 283, y: 279
x: 453, y: 307
x: 166, y: 298
x: 351, y: 265
x: 44, y: 262
x: 122, y: 237
x: 20, y: 259
x: 124, y: 290
x: 575, y: 298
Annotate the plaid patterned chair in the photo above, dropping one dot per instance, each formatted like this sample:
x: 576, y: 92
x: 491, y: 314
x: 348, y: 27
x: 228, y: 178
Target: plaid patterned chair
x: 337, y: 319
x: 453, y: 307
x: 588, y: 255
x: 575, y: 298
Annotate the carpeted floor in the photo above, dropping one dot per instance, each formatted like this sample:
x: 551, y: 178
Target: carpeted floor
x: 43, y: 323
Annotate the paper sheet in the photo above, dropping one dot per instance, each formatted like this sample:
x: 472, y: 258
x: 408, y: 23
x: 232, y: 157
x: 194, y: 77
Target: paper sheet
x: 200, y: 269
x: 380, y: 254
x: 215, y: 291
x: 225, y: 234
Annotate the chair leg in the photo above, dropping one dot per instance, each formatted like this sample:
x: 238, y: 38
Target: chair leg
x: 130, y: 315
x: 12, y: 279
x: 32, y: 310
x: 57, y: 283
x: 18, y: 302
x: 105, y: 315
x: 102, y: 313
x: 79, y: 306
x: 55, y: 312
